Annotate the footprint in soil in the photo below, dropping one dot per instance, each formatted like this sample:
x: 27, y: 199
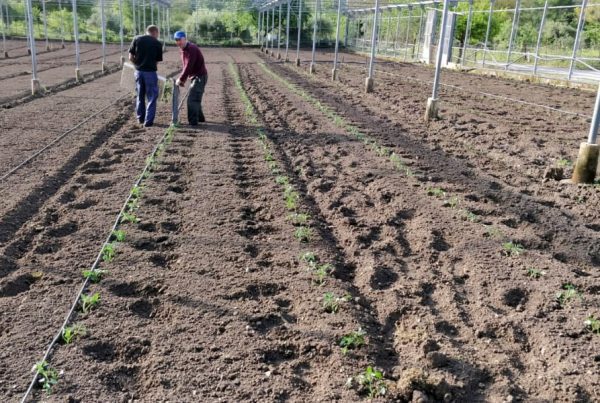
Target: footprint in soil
x: 99, y: 351
x: 151, y: 244
x: 255, y: 291
x: 383, y: 278
x: 446, y: 328
x: 162, y: 260
x: 144, y: 308
x: 48, y: 247
x: 280, y: 354
x: 63, y: 230
x: 67, y: 197
x: 515, y: 297
x: 135, y: 289
x: 17, y: 286
x: 263, y: 324
x: 121, y: 379
x: 7, y: 266
x: 100, y: 185
x: 84, y: 204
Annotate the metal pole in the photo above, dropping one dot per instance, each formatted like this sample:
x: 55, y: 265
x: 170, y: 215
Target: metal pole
x: 577, y: 37
x: 287, y: 32
x: 539, y: 38
x: 35, y: 84
x: 299, y: 32
x: 259, y: 28
x: 487, y: 32
x: 3, y: 31
x: 272, y: 31
x: 121, y: 29
x: 279, y: 35
x: 467, y: 33
x: 337, y: 41
x: 133, y: 17
x: 45, y: 24
x: 408, y: 30
x: 314, y: 44
x: 346, y: 30
x: 151, y: 13
x: 76, y: 37
x: 369, y: 80
x: 420, y: 29
x: 398, y: 11
x: 438, y: 63
x: 513, y: 32
x: 103, y: 34
x: 175, y: 103
x: 593, y: 135
x: 144, y: 9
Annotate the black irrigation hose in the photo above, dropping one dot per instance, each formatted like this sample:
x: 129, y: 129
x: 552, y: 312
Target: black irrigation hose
x: 56, y: 140
x: 95, y: 264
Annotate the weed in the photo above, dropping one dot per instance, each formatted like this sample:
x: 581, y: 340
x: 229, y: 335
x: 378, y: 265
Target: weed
x: 534, y: 273
x: 321, y: 271
x: 352, y: 341
x: 69, y: 333
x: 303, y: 234
x: 89, y: 301
x: 309, y: 257
x: 369, y: 382
x: 281, y: 180
x: 129, y: 218
x: 564, y: 162
x: 512, y: 249
x: 119, y: 235
x: 568, y: 294
x: 108, y: 252
x: 593, y: 324
x: 94, y: 275
x: 299, y: 218
x: 49, y: 376
x: 437, y: 192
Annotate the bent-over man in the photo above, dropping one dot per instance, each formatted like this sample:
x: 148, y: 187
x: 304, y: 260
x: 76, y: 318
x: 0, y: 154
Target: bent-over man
x: 195, y: 70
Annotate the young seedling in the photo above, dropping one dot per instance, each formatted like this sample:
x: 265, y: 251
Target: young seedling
x: 136, y: 192
x: 437, y: 192
x: 89, y: 302
x: 94, y: 275
x: 69, y: 333
x: 568, y: 294
x: 119, y: 235
x: 281, y: 180
x: 534, y: 273
x: 593, y: 324
x: 564, y: 162
x: 512, y: 249
x: 370, y: 382
x: 303, y: 234
x: 321, y: 271
x: 269, y: 157
x: 471, y: 217
x: 48, y: 376
x: 108, y: 252
x: 493, y: 232
x: 299, y: 218
x: 310, y: 258
x: 129, y: 218
x: 331, y: 303
x: 132, y: 205
x: 452, y: 202
x: 352, y: 341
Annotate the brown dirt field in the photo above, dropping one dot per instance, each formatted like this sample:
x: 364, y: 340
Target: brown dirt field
x: 207, y: 299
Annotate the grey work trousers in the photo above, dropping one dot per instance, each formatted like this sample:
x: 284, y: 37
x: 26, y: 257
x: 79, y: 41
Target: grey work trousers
x: 194, y: 101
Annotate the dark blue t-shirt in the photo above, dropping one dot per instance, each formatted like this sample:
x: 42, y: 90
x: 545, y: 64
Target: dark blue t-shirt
x: 147, y: 51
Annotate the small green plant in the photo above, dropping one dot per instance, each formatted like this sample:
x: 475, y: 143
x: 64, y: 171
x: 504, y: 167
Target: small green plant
x: 534, y: 273
x: 282, y: 180
x: 569, y: 293
x: 493, y: 232
x: 94, y: 275
x: 299, y: 218
x: 321, y: 271
x: 370, y: 383
x: 309, y: 257
x: 471, y: 217
x: 593, y: 324
x: 136, y: 192
x: 119, y: 235
x: 291, y: 197
x: 331, y: 303
x: 48, y: 376
x: 512, y: 249
x: 452, y: 202
x: 129, y: 218
x: 352, y: 341
x: 108, y: 252
x: 132, y: 205
x: 69, y: 333
x: 303, y: 234
x: 564, y: 162
x: 273, y: 166
x: 269, y: 157
x: 89, y: 302
x: 437, y: 192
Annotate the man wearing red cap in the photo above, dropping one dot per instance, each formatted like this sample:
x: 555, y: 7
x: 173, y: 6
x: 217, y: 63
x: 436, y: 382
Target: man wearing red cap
x: 195, y: 70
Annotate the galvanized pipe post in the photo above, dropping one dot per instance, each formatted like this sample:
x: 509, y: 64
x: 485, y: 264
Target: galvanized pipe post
x: 396, y: 35
x: 369, y: 80
x: 513, y: 32
x: 35, y: 83
x: 144, y: 20
x: 76, y: 37
x: 463, y: 59
x: 299, y: 32
x: 539, y: 38
x: 311, y: 69
x: 45, y: 16
x: 421, y: 21
x: 408, y: 30
x: 432, y: 103
x: 580, y: 24
x: 272, y: 31
x: 337, y: 41
x: 259, y: 30
x: 279, y: 35
x: 487, y: 32
x: 134, y: 28
x: 346, y: 30
x: 102, y: 22
x: 3, y: 31
x: 175, y: 104
x: 151, y: 13
x: 122, y: 58
x: 587, y: 159
x: 287, y: 32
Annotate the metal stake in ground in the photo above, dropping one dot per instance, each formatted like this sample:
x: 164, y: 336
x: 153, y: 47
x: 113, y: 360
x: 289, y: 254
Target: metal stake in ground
x: 62, y: 25
x: 279, y: 35
x: 431, y: 112
x: 287, y: 32
x: 577, y: 37
x: 587, y: 159
x: 103, y: 35
x: 134, y: 28
x: 122, y: 58
x: 539, y: 38
x: 299, y: 32
x: 259, y: 31
x: 3, y: 31
x: 487, y: 32
x: 513, y: 32
x: 35, y: 83
x: 45, y: 24
x: 311, y: 69
x: 467, y: 34
x: 337, y: 41
x: 369, y: 80
x: 76, y: 36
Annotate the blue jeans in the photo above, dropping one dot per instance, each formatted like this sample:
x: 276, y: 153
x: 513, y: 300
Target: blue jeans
x: 146, y: 85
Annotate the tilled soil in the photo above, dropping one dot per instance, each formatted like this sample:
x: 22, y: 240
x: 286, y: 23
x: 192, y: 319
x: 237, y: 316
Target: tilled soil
x: 207, y: 299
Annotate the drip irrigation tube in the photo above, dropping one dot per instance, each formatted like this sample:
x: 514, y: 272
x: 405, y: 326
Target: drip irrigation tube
x: 56, y: 140
x: 94, y: 265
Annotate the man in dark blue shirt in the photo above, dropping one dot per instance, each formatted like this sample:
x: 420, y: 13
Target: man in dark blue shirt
x: 145, y: 52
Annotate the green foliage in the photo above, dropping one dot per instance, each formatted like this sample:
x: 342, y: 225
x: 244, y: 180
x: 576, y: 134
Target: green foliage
x: 309, y: 257
x: 593, y: 324
x: 564, y: 163
x: 129, y: 218
x: 352, y: 341
x: 437, y: 192
x: 534, y: 273
x: 370, y: 382
x: 331, y: 303
x: 94, y: 275
x: 321, y: 272
x: 109, y: 252
x: 119, y: 235
x: 48, y: 376
x: 89, y: 302
x: 69, y: 333
x: 299, y: 218
x: 303, y: 234
x: 512, y: 249
x: 568, y: 294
